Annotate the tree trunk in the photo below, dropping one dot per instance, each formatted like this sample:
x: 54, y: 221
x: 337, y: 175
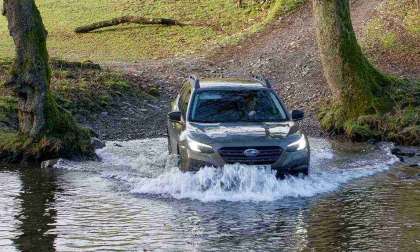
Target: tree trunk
x: 127, y: 19
x: 356, y: 85
x: 48, y: 131
x: 31, y: 74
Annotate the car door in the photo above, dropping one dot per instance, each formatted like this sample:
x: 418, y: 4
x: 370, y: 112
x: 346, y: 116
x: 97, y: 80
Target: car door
x: 181, y: 104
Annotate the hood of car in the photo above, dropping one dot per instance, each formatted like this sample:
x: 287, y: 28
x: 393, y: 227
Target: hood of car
x: 241, y: 133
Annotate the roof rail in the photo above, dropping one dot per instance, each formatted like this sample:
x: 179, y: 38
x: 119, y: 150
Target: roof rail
x: 265, y: 81
x: 195, y: 81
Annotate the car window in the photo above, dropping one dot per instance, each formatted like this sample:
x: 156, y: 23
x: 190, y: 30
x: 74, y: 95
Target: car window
x: 217, y: 106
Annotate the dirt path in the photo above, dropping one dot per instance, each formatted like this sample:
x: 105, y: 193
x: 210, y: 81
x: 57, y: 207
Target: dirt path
x: 285, y: 52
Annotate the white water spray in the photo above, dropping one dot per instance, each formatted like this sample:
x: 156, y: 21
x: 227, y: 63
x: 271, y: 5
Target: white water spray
x: 145, y: 168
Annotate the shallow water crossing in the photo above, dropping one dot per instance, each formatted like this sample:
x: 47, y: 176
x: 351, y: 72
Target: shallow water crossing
x: 356, y: 198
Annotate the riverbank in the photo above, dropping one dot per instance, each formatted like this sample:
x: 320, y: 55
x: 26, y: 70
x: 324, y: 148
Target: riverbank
x: 112, y: 103
x: 124, y: 101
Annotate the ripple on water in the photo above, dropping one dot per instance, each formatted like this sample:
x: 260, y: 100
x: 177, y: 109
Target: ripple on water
x: 136, y: 199
x: 92, y: 216
x: 10, y: 187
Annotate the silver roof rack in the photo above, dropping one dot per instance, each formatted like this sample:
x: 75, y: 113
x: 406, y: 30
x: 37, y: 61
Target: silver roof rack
x: 265, y: 81
x: 195, y: 81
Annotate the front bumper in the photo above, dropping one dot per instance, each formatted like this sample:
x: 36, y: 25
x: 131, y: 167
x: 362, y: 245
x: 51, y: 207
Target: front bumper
x: 288, y: 162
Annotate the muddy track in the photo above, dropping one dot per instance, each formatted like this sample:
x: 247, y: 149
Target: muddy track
x: 285, y: 52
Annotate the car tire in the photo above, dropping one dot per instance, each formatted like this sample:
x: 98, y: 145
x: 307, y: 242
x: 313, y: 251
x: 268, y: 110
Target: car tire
x: 283, y: 174
x: 303, y: 173
x: 183, y: 163
x: 181, y: 160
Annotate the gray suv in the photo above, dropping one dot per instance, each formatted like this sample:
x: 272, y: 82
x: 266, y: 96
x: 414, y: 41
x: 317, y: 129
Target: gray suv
x: 214, y: 122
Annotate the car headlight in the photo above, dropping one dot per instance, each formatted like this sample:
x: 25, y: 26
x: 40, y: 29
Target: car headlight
x: 298, y: 145
x: 199, y: 147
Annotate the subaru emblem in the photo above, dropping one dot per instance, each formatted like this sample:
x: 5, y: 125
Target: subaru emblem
x: 251, y: 152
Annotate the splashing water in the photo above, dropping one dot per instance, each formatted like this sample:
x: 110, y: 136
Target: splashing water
x: 144, y: 167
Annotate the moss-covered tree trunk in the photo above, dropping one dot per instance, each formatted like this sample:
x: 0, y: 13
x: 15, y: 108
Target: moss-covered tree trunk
x: 49, y: 131
x: 357, y: 87
x: 31, y: 75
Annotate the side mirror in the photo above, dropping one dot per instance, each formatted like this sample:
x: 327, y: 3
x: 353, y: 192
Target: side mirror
x: 297, y: 115
x: 175, y: 116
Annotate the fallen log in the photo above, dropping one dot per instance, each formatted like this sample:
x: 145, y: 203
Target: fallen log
x: 128, y: 19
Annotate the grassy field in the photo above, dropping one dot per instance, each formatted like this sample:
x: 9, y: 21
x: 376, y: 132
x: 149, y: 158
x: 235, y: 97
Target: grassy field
x: 394, y: 32
x: 221, y: 19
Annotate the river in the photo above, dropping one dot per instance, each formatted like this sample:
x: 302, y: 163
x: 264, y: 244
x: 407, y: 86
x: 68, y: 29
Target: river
x: 357, y: 198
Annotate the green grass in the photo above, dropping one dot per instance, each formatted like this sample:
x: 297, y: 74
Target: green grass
x: 81, y: 88
x: 396, y: 28
x: 278, y: 8
x: 220, y: 18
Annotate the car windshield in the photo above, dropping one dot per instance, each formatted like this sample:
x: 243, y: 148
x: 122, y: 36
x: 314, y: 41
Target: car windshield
x: 220, y: 106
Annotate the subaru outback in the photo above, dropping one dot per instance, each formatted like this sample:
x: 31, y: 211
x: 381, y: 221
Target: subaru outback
x: 214, y: 122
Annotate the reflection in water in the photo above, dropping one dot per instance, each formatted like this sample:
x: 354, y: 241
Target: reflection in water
x: 239, y: 226
x: 407, y: 198
x: 132, y: 201
x: 10, y: 187
x: 379, y: 214
x: 37, y: 214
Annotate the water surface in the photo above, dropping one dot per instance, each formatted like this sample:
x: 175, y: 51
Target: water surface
x: 356, y: 198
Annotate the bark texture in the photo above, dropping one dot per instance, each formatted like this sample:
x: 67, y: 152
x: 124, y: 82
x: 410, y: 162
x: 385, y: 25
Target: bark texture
x: 31, y: 74
x: 45, y: 129
x: 358, y: 88
x: 127, y: 19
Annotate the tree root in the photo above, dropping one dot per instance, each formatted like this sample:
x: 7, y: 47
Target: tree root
x: 401, y: 125
x: 128, y: 19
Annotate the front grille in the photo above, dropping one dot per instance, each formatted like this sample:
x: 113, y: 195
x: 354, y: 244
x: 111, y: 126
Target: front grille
x: 267, y: 155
